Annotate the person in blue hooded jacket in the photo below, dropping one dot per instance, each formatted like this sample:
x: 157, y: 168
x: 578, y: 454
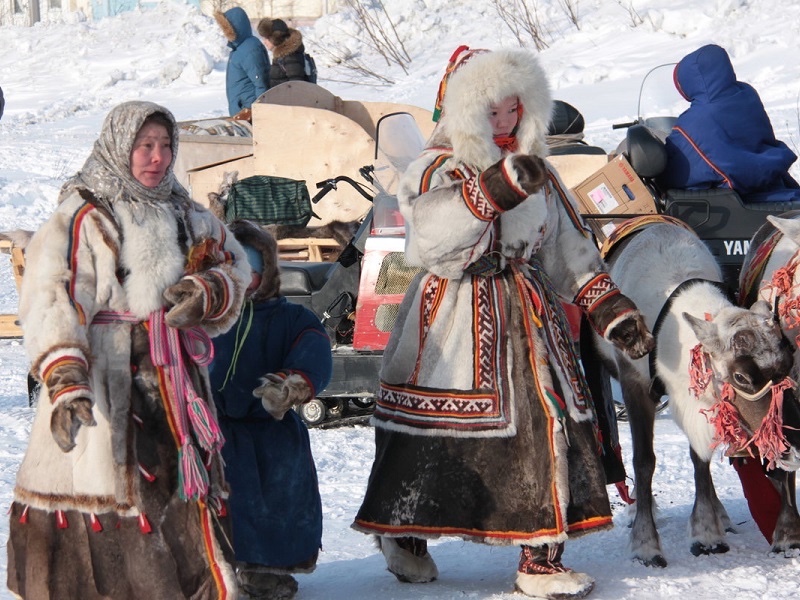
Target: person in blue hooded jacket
x: 247, y: 74
x: 277, y: 355
x: 725, y: 138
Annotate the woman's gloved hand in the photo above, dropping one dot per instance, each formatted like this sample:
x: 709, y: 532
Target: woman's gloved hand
x: 67, y: 419
x: 188, y: 301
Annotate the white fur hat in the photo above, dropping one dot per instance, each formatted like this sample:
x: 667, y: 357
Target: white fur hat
x: 485, y: 79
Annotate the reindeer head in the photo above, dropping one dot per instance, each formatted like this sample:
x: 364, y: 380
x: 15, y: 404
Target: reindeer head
x: 747, y: 350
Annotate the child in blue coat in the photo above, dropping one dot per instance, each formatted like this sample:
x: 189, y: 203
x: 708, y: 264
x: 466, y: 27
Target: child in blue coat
x: 277, y: 355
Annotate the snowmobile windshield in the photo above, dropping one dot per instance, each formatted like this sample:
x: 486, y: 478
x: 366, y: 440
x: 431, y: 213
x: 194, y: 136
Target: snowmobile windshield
x: 398, y: 141
x: 660, y: 103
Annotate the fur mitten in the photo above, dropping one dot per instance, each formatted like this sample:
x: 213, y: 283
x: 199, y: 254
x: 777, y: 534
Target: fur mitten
x: 67, y: 382
x: 188, y: 302
x: 279, y: 393
x: 630, y: 334
x: 202, y: 296
x: 512, y: 179
x: 67, y: 418
x: 615, y: 316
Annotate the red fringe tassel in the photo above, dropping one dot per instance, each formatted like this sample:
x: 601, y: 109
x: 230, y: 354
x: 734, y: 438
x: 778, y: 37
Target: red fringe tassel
x: 769, y: 438
x: 61, y: 520
x: 144, y: 524
x: 699, y: 372
x: 95, y: 522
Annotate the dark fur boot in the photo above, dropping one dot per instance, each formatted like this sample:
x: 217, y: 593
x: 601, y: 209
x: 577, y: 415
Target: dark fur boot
x: 257, y: 584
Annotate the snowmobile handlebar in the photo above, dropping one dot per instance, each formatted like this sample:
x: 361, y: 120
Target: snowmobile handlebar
x: 330, y: 184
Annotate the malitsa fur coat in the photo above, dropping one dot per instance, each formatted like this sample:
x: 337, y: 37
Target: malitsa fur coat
x: 484, y: 426
x: 107, y: 519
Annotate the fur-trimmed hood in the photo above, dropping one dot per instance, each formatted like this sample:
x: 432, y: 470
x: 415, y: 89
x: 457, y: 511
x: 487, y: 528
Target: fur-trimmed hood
x: 250, y: 234
x: 483, y: 80
x: 290, y: 45
x: 235, y: 25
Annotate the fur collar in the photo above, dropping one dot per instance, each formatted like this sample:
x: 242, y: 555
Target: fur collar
x: 290, y: 45
x: 484, y: 80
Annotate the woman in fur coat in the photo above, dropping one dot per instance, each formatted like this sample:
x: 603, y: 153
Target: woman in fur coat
x: 121, y: 494
x: 484, y: 427
x: 277, y: 355
x: 288, y: 51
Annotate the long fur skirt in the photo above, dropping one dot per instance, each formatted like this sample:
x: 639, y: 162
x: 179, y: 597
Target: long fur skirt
x: 540, y: 486
x: 181, y: 549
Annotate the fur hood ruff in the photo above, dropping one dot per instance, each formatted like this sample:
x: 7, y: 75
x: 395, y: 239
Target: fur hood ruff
x: 290, y: 45
x: 248, y: 233
x: 484, y: 80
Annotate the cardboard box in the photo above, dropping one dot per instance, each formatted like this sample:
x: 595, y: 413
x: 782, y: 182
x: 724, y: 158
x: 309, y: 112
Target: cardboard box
x: 615, y: 189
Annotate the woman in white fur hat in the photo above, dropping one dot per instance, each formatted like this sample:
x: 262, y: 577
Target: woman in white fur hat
x: 484, y: 427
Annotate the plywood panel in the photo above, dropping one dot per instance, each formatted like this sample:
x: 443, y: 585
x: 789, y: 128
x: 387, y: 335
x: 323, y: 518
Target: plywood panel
x: 206, y: 180
x: 367, y: 114
x: 313, y: 145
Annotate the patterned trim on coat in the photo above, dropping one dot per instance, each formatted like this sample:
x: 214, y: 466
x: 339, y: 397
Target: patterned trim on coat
x: 486, y: 409
x: 535, y: 538
x: 73, y: 248
x: 436, y: 163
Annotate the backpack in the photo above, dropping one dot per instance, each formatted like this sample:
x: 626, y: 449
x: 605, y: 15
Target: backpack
x: 310, y: 68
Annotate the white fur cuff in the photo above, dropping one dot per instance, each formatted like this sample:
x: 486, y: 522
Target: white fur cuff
x: 71, y: 393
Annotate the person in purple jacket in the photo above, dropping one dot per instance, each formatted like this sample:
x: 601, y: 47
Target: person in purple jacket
x: 725, y: 138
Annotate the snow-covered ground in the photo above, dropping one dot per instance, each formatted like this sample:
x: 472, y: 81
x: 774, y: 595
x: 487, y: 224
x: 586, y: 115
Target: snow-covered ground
x: 61, y: 79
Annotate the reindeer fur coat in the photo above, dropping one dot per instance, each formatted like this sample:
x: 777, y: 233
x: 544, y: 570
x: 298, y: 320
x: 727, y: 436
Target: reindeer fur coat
x: 105, y: 519
x: 484, y: 426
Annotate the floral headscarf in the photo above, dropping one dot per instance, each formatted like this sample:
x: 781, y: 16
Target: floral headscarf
x: 107, y: 171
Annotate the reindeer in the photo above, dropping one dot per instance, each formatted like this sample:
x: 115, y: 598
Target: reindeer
x: 723, y: 367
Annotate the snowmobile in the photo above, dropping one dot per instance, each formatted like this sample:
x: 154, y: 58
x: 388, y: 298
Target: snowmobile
x: 357, y: 297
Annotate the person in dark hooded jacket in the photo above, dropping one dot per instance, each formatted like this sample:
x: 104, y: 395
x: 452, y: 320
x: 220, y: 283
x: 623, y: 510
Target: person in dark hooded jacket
x: 275, y: 356
x: 725, y: 138
x: 288, y: 52
x: 247, y: 75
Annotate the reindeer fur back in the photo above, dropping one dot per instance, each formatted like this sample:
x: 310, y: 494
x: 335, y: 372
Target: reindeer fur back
x: 648, y: 268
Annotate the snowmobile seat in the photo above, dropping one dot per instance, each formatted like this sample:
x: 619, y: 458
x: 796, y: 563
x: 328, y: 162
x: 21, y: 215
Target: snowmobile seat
x: 645, y: 151
x: 565, y: 132
x: 303, y: 278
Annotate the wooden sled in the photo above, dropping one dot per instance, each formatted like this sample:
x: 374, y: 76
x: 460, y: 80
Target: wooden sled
x: 9, y: 323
